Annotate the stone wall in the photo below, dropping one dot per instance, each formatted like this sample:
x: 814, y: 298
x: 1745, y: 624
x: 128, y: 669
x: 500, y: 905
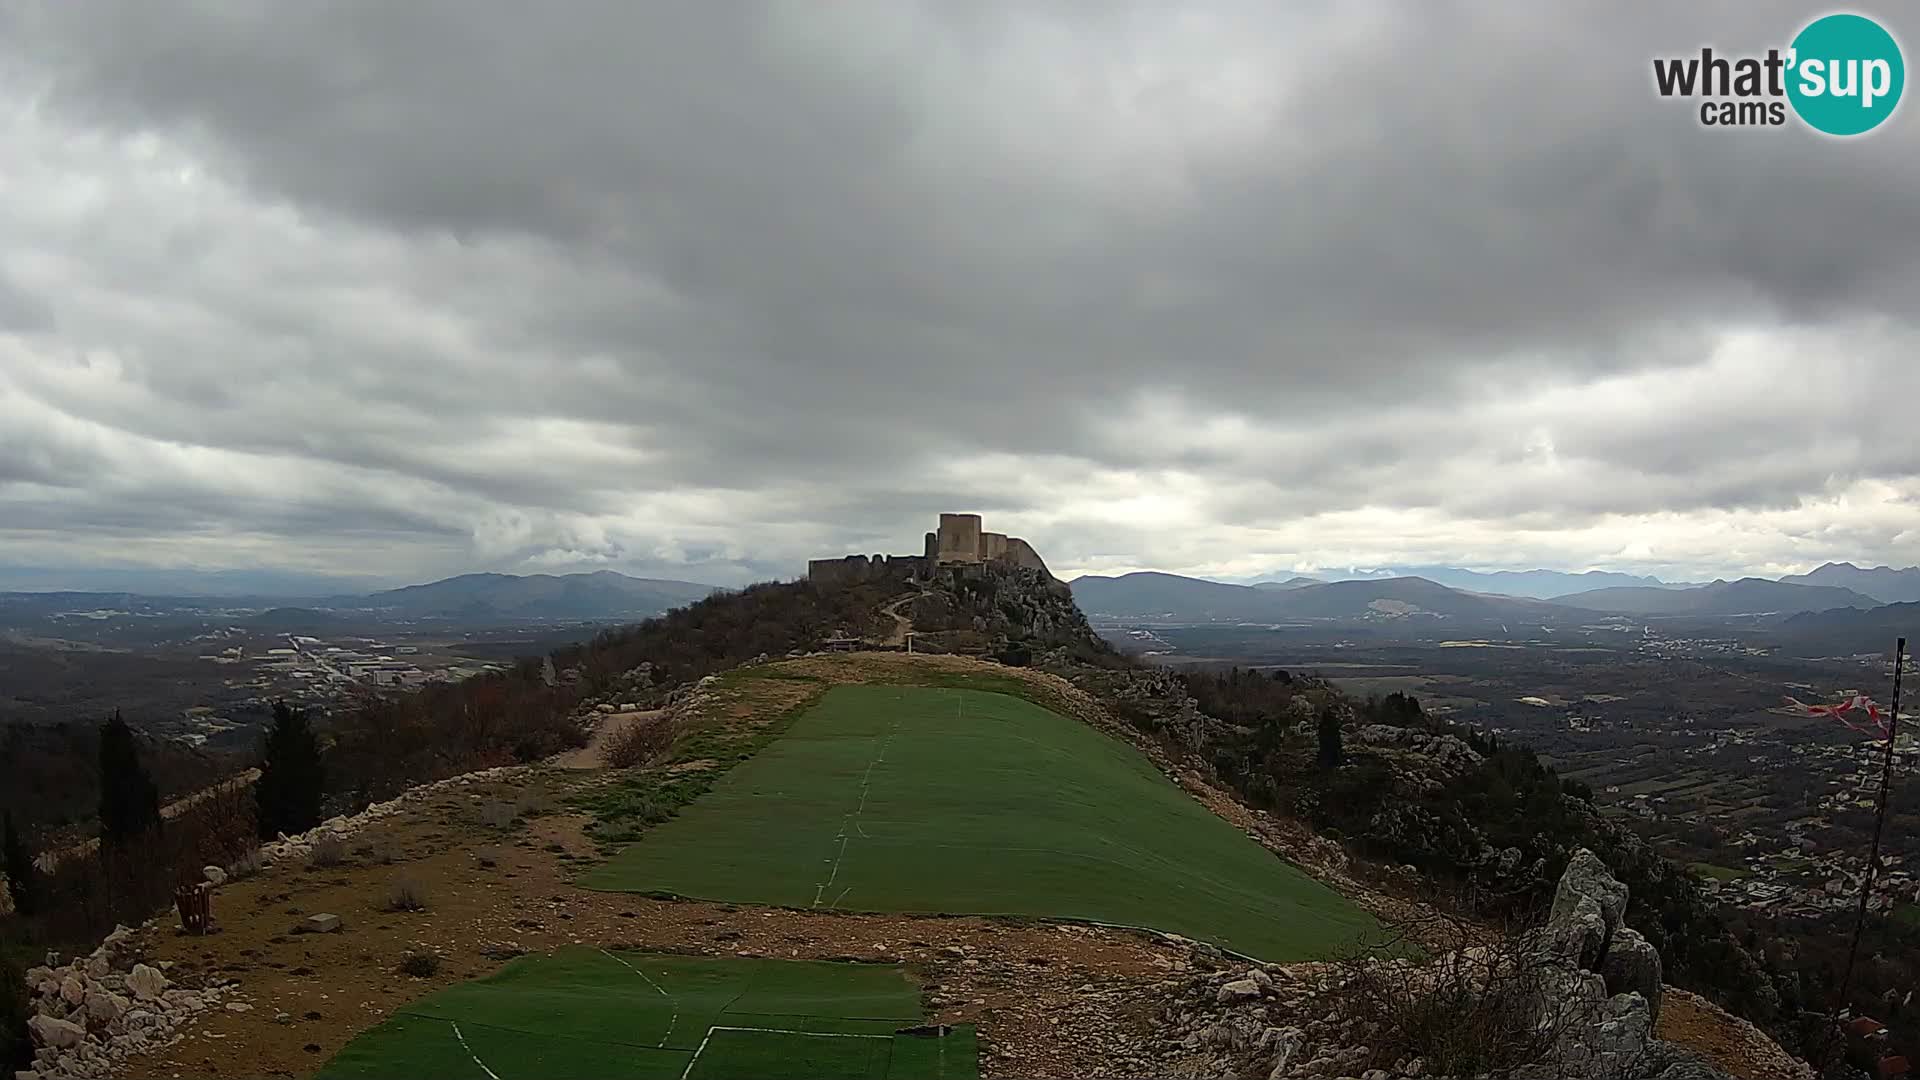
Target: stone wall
x: 1020, y: 553
x: 856, y: 569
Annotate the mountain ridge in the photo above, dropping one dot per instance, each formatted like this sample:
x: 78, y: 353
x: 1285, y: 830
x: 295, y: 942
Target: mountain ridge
x: 1153, y: 594
x: 1747, y: 596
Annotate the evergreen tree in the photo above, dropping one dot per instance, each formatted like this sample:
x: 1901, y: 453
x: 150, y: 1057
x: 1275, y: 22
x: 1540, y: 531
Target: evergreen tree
x: 292, y: 776
x: 19, y: 866
x: 129, y: 800
x: 1331, y: 752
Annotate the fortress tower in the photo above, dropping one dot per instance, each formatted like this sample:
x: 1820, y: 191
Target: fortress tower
x: 958, y: 541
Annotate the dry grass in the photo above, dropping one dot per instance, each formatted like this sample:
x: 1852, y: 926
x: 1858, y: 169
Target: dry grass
x: 496, y: 813
x: 327, y: 852
x: 420, y: 965
x: 1483, y: 1005
x: 247, y: 864
x: 407, y: 894
x: 639, y: 744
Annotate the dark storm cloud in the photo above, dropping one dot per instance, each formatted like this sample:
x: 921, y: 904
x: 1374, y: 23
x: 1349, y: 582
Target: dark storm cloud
x: 738, y: 282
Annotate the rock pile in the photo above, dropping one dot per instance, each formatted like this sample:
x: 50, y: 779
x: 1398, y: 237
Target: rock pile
x: 90, y: 1015
x: 1592, y: 993
x: 296, y: 847
x: 1441, y: 756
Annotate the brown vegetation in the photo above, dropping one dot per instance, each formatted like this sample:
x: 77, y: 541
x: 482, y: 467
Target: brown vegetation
x: 638, y: 743
x: 83, y: 896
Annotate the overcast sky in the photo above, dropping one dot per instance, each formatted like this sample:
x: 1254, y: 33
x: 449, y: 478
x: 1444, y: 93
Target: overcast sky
x: 399, y: 290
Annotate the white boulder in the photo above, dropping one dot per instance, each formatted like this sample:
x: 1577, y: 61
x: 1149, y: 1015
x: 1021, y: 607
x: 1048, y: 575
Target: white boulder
x: 146, y: 982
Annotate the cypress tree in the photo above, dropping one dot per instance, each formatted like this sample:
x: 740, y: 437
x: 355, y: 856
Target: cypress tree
x: 1331, y: 752
x: 129, y: 799
x: 19, y: 865
x: 292, y: 775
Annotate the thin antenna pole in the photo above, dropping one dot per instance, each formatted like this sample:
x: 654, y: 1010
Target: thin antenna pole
x: 1879, y: 823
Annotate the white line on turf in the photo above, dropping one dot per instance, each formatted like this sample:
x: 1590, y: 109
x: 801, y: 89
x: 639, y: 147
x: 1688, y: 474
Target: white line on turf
x: 866, y: 781
x: 688, y: 1071
x: 470, y: 1053
x: 675, y: 1005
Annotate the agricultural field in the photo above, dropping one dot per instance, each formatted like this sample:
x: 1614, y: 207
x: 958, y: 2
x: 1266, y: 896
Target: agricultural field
x: 945, y: 800
x: 1719, y: 873
x: 650, y: 1016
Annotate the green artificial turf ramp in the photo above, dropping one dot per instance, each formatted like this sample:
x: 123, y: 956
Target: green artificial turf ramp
x: 582, y: 1012
x: 886, y: 798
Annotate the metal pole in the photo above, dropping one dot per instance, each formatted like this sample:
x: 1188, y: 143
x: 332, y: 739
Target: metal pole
x: 1879, y: 823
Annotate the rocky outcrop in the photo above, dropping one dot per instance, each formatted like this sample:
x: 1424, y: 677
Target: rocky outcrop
x: 90, y: 1015
x: 1440, y: 756
x: 1583, y: 991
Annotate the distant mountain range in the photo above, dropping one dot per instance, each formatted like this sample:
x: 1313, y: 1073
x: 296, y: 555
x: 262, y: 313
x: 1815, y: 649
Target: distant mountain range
x: 1887, y: 585
x: 1537, y: 584
x: 1290, y: 583
x: 603, y: 594
x: 1172, y: 598
x: 1748, y: 596
x: 1150, y: 596
x: 1847, y: 631
x: 470, y: 598
x: 1884, y: 584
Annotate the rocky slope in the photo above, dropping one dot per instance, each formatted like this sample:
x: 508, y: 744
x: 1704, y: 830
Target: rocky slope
x: 1580, y: 998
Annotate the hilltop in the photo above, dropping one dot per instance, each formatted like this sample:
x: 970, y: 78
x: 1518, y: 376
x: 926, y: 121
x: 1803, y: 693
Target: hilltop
x: 509, y: 858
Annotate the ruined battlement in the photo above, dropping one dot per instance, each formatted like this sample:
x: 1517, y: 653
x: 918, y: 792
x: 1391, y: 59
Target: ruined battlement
x: 959, y: 541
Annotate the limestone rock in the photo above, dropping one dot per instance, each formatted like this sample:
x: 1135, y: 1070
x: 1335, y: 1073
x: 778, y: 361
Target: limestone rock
x: 58, y: 1034
x: 1286, y: 1047
x: 214, y: 875
x: 73, y: 990
x: 322, y: 923
x: 1587, y: 879
x: 1632, y: 966
x: 105, y: 1007
x: 146, y: 983
x: 1238, y: 990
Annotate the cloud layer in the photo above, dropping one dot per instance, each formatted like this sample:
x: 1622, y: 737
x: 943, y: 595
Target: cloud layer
x: 703, y: 289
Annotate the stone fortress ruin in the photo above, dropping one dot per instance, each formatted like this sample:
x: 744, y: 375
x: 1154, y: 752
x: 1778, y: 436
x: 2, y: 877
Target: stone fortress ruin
x: 958, y: 542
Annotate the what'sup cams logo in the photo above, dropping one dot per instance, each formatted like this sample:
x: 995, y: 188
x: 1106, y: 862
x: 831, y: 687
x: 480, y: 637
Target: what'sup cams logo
x: 1842, y: 75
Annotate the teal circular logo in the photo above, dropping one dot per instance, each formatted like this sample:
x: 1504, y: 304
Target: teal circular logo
x: 1846, y: 74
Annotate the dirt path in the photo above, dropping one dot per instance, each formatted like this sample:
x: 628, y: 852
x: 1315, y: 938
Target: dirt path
x: 902, y: 625
x: 611, y: 726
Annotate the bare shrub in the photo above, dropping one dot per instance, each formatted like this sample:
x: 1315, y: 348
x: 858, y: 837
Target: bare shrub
x: 420, y: 965
x: 533, y: 802
x: 641, y: 742
x: 1486, y: 1004
x: 245, y: 865
x: 406, y: 894
x: 328, y: 851
x: 496, y: 813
